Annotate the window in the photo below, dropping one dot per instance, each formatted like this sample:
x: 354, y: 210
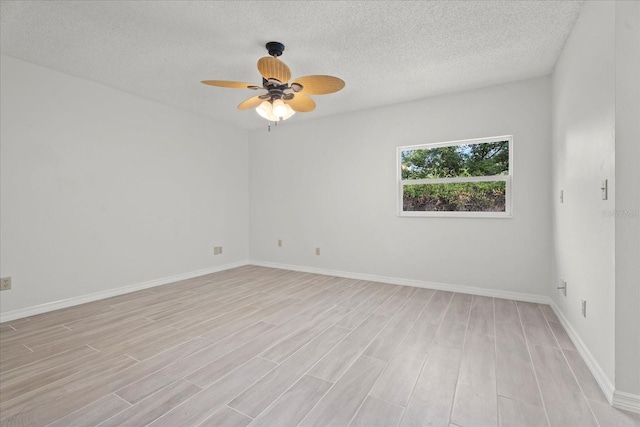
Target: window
x: 470, y: 178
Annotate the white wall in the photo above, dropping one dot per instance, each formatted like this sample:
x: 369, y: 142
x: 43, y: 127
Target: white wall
x: 583, y: 155
x: 627, y: 232
x: 101, y: 189
x: 331, y: 183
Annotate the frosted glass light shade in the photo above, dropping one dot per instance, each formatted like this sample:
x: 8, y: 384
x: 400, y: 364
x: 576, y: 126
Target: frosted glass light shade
x: 279, y: 108
x: 289, y: 112
x: 266, y: 111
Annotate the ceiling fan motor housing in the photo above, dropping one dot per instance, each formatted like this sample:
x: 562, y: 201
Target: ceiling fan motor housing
x: 276, y: 90
x: 275, y: 48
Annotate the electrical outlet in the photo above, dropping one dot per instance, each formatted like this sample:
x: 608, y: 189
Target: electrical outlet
x: 279, y: 243
x: 317, y: 251
x: 5, y: 283
x: 584, y: 308
x: 563, y: 287
x: 217, y: 250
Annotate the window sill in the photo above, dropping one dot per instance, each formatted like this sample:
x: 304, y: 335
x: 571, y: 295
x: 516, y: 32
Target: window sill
x: 483, y: 215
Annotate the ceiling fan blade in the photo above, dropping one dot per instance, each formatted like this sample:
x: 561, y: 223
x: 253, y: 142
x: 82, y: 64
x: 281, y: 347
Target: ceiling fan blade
x: 231, y: 84
x: 252, y: 102
x: 318, y: 85
x: 302, y: 103
x: 273, y: 68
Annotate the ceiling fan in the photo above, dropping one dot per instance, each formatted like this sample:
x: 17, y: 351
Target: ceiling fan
x: 282, y: 98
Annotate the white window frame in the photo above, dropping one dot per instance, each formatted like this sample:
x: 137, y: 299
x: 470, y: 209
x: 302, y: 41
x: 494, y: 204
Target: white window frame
x: 508, y: 179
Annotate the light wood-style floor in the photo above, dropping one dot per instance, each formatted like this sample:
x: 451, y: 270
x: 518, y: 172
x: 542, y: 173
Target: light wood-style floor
x: 265, y: 347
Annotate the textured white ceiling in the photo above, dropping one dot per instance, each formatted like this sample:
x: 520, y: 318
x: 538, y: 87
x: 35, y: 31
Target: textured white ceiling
x: 386, y: 51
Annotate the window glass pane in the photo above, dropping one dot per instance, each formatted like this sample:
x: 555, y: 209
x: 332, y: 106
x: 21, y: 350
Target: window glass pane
x: 486, y: 196
x: 483, y: 159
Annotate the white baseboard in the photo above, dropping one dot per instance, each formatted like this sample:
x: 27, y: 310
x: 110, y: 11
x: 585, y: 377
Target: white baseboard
x: 56, y: 305
x: 617, y: 399
x: 626, y: 401
x: 540, y: 299
x: 603, y: 381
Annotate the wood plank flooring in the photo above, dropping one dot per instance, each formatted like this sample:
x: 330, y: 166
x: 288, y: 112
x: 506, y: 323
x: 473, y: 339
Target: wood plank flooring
x: 265, y: 347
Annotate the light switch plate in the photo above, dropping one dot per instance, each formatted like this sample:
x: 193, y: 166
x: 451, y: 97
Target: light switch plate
x: 605, y: 189
x: 563, y: 287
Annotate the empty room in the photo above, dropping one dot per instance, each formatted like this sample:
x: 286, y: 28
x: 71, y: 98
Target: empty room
x: 320, y: 213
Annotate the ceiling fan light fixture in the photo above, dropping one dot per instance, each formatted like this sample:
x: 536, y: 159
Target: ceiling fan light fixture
x: 265, y: 110
x: 276, y: 111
